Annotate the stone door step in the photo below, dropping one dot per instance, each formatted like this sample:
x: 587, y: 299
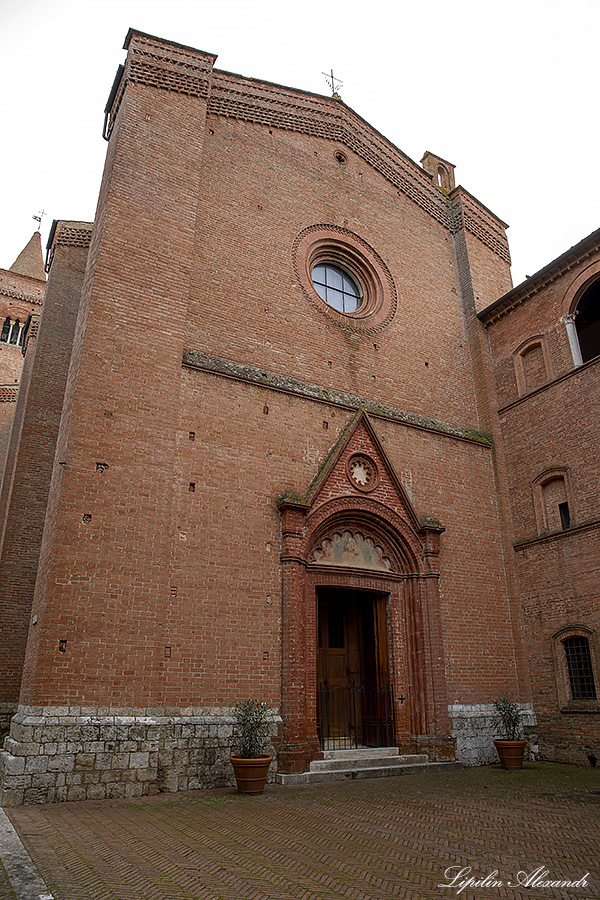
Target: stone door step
x: 333, y: 764
x: 361, y: 752
x: 373, y: 763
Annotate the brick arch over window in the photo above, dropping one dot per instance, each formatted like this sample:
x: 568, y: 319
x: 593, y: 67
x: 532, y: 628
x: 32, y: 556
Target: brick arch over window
x: 581, y: 314
x: 575, y: 650
x: 553, y: 500
x: 384, y: 554
x: 531, y: 364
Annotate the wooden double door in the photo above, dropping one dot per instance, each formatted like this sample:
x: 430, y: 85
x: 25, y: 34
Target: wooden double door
x: 354, y: 703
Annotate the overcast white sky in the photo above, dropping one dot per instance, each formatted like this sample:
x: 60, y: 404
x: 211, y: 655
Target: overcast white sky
x: 507, y: 91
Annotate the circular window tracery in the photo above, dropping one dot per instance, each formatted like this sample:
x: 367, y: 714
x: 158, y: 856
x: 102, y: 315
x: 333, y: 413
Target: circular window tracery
x: 336, y: 287
x: 362, y: 472
x: 323, y: 249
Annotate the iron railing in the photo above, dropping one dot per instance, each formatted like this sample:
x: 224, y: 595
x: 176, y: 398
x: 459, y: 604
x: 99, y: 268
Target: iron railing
x: 354, y: 716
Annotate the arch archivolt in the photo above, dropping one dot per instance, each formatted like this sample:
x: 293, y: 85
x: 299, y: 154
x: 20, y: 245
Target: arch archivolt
x: 578, y: 287
x: 355, y: 544
x: 362, y: 533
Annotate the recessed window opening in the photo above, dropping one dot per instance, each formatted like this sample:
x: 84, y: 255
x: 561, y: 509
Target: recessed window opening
x: 336, y: 287
x: 579, y: 666
x: 12, y: 331
x: 587, y: 322
x: 442, y: 177
x: 556, y: 504
x: 534, y: 367
x: 565, y: 515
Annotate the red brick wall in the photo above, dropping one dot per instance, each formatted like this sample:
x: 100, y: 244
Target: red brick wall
x: 30, y: 459
x: 553, y: 426
x: 193, y: 249
x: 103, y: 585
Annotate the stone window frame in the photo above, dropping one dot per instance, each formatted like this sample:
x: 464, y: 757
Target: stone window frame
x: 348, y: 251
x: 518, y: 354
x: 537, y: 486
x: 566, y: 702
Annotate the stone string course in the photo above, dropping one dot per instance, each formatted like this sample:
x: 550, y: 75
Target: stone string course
x: 274, y: 381
x: 70, y: 753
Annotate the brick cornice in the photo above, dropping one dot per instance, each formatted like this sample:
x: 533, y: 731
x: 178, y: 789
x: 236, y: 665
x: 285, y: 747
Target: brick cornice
x: 280, y: 107
x: 472, y: 215
x: 273, y: 381
x: 560, y: 266
x: 167, y: 65
x: 68, y: 234
x: 175, y: 67
x: 38, y: 299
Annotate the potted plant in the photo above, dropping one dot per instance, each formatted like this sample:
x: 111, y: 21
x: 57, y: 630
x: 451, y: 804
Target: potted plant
x: 250, y: 739
x: 511, y: 747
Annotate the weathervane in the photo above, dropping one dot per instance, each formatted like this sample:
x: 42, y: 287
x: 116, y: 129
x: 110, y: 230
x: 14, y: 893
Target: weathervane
x: 334, y: 83
x: 39, y: 217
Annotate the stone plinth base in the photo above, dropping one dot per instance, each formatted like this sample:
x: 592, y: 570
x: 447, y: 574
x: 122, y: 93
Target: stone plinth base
x: 79, y: 753
x: 473, y: 726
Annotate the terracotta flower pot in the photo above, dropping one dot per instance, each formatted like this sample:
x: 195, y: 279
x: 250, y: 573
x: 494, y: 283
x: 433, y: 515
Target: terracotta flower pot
x: 511, y: 753
x: 251, y: 774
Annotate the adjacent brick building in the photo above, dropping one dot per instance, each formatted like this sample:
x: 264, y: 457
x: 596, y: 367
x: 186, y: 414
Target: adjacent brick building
x: 21, y: 294
x: 272, y: 463
x: 544, y: 338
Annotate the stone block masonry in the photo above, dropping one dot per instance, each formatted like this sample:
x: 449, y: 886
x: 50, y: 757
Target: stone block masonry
x: 474, y: 727
x: 75, y: 753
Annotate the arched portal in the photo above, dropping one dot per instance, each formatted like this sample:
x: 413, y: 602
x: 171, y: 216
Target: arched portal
x: 360, y: 604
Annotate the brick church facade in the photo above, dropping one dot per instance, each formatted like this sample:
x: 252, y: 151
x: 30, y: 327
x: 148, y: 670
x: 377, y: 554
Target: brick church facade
x: 285, y: 427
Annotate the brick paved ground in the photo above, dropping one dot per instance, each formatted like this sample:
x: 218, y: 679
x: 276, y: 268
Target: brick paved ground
x: 362, y: 840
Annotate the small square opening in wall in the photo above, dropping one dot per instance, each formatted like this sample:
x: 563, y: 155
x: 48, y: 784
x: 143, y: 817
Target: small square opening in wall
x: 192, y: 487
x: 192, y: 435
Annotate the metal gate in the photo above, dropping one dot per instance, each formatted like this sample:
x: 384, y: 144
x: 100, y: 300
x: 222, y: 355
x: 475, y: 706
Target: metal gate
x: 354, y: 716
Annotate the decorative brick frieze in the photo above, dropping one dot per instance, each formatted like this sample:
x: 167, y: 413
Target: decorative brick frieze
x: 8, y: 393
x: 573, y: 258
x: 77, y: 753
x: 68, y: 234
x: 36, y: 297
x: 161, y: 64
x: 279, y: 107
x: 215, y: 365
x: 468, y: 213
x: 174, y: 67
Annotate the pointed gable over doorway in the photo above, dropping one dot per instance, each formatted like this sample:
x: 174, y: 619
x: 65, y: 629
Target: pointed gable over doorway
x: 356, y: 512
x: 359, y: 467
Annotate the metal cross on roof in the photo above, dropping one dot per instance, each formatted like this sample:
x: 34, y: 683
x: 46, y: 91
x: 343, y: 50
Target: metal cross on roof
x: 39, y: 217
x: 333, y: 82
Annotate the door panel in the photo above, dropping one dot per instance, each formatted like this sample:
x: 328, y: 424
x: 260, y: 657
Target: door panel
x: 352, y: 667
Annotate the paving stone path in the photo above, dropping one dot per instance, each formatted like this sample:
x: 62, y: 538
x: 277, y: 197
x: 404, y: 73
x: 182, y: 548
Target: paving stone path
x: 357, y: 840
